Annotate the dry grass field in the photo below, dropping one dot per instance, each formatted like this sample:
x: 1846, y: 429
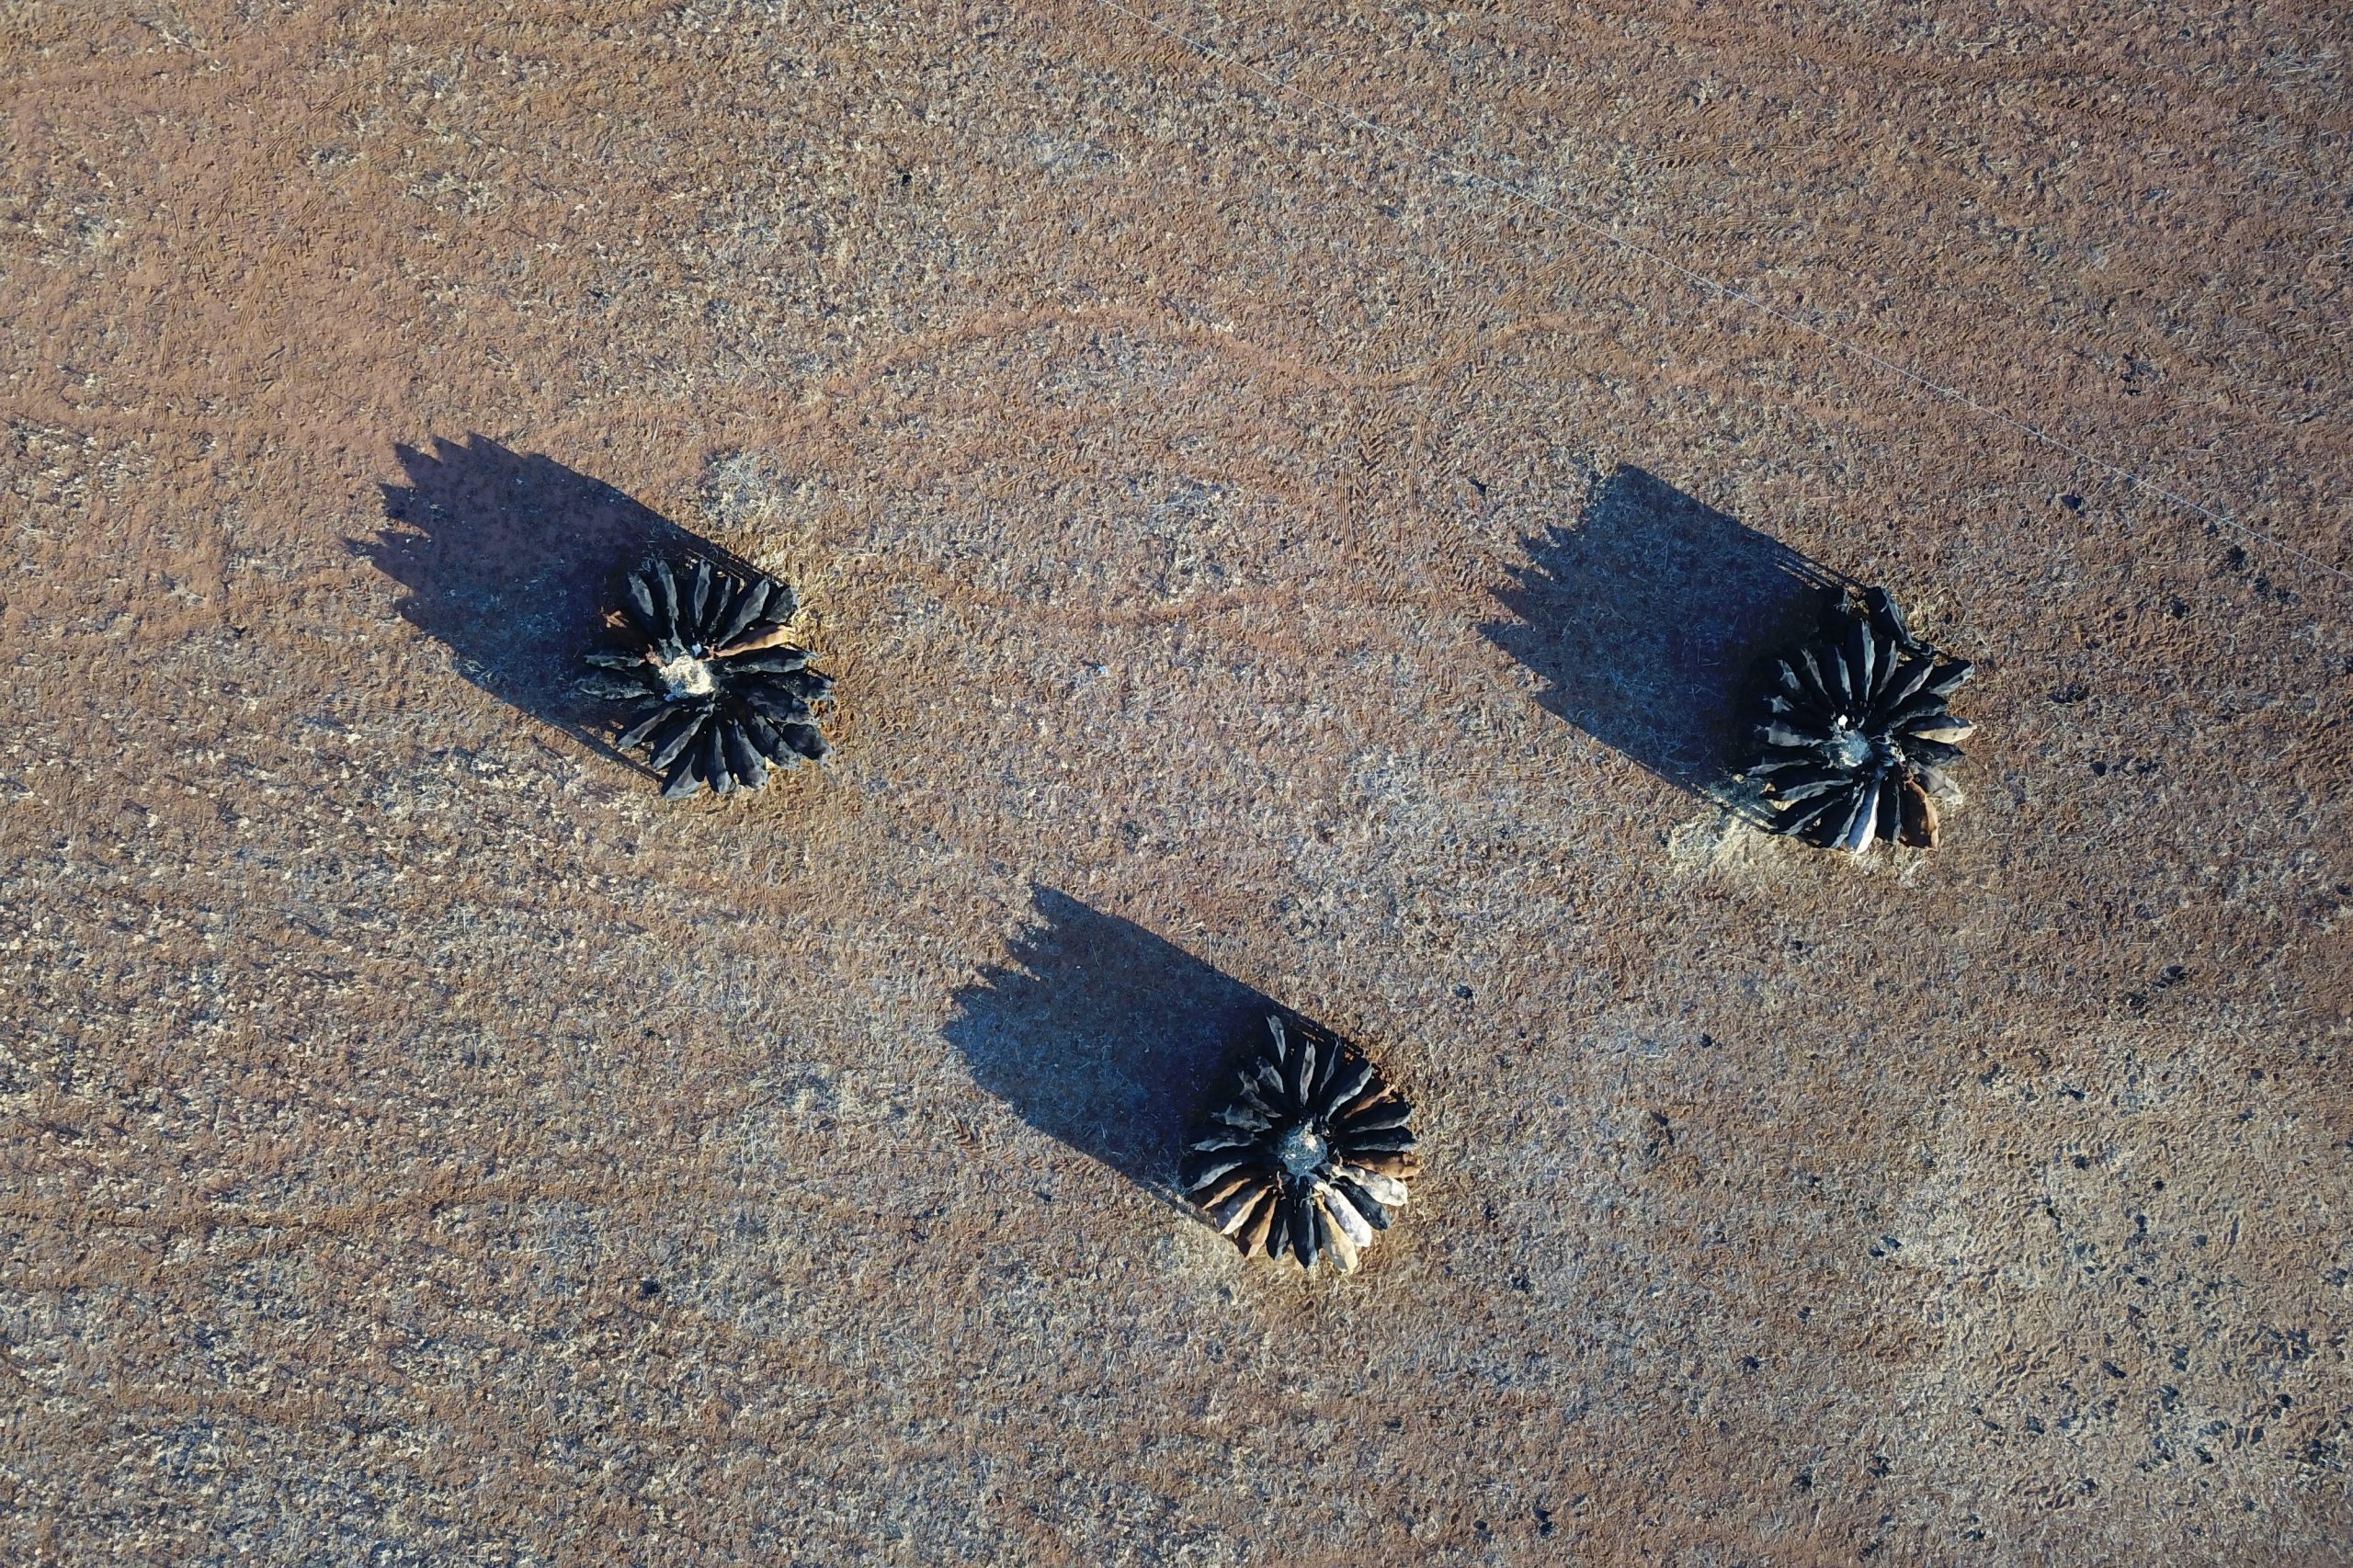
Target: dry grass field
x: 1290, y: 496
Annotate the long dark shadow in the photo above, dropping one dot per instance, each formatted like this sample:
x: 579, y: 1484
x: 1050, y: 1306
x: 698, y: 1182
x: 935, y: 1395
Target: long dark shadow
x: 1649, y: 621
x: 509, y: 558
x: 1104, y: 1035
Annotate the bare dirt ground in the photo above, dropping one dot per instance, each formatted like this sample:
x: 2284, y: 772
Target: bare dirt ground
x: 1261, y: 559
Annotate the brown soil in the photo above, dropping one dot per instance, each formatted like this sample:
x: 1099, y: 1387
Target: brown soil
x: 1261, y: 561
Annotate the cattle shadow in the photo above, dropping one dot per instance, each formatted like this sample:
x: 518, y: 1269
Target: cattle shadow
x: 511, y: 559
x: 1106, y: 1037
x: 1650, y: 622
